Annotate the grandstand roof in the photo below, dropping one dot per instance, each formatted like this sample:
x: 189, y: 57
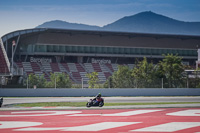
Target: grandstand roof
x: 103, y: 38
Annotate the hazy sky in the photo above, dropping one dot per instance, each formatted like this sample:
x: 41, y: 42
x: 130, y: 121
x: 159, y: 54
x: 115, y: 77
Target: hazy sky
x: 24, y: 14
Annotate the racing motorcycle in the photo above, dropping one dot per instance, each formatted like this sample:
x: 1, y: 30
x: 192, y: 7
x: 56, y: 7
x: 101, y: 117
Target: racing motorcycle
x: 94, y: 102
x: 1, y: 102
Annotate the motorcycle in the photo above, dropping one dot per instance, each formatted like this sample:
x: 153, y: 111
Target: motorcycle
x: 94, y: 102
x: 1, y: 102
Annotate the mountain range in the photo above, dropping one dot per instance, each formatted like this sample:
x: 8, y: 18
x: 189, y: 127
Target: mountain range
x: 144, y: 22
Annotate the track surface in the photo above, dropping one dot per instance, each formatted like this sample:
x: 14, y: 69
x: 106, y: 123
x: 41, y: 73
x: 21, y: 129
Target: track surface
x: 107, y: 99
x: 159, y: 120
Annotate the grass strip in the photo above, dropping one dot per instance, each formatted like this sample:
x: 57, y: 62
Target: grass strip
x: 81, y: 104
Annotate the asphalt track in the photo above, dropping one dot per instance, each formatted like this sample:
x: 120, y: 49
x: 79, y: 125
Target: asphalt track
x: 15, y: 100
x: 159, y: 120
x: 181, y: 118
x: 9, y: 101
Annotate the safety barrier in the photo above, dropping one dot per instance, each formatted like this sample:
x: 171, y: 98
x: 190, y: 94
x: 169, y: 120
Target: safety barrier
x: 92, y: 92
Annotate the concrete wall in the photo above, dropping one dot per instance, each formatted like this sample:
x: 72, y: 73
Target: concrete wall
x: 93, y: 92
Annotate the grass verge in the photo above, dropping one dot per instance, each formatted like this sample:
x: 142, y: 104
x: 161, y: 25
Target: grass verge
x: 81, y: 104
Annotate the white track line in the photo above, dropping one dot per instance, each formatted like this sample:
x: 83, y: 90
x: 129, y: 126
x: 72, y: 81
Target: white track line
x: 169, y: 127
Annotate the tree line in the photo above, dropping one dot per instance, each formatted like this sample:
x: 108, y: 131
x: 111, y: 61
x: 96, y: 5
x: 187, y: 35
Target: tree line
x: 168, y: 73
x: 57, y: 80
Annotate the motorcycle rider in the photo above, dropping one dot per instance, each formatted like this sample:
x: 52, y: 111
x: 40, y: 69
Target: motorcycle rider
x: 97, y: 98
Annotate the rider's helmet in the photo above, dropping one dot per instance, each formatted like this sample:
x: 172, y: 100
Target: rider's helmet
x: 99, y: 95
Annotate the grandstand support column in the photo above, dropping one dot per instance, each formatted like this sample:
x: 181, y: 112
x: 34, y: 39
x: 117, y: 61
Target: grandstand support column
x: 55, y: 82
x: 82, y: 82
x: 14, y: 47
x: 198, y: 61
x: 7, y: 47
x: 27, y: 82
x: 17, y: 43
x: 13, y: 44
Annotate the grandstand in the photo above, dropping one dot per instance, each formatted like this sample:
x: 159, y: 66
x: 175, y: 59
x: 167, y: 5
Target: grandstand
x: 76, y: 52
x: 5, y: 65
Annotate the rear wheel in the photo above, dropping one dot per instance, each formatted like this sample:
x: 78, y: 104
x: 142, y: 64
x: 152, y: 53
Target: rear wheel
x: 88, y: 105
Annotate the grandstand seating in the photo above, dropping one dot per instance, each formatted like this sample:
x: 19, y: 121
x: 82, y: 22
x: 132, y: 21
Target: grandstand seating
x: 3, y: 66
x: 77, y: 76
x: 80, y: 68
x: 76, y: 71
x: 19, y: 64
x: 101, y: 77
x: 89, y: 67
x: 115, y: 67
x: 27, y: 67
x: 55, y: 67
x: 46, y: 67
x: 72, y: 67
x: 110, y: 67
x: 83, y: 76
x: 96, y: 67
x: 64, y: 67
x: 35, y: 67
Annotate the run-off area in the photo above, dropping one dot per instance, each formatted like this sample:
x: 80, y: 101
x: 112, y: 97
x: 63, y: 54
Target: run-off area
x: 174, y: 120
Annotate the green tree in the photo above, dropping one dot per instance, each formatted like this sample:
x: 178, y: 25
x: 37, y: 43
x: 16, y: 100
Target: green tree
x: 109, y: 83
x: 59, y: 80
x: 144, y: 75
x: 122, y: 78
x: 93, y: 80
x: 39, y: 81
x: 171, y: 69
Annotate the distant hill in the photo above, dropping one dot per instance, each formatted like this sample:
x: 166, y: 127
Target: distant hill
x: 66, y: 25
x: 144, y: 22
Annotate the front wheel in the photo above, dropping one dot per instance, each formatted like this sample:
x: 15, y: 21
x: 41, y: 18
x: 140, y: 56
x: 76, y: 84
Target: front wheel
x: 88, y: 105
x: 101, y: 104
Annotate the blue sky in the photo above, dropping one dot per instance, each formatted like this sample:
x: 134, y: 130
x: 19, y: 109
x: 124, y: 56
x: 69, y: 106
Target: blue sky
x: 24, y: 14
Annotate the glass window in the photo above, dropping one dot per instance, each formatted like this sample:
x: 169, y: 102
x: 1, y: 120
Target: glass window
x: 194, y: 53
x: 143, y: 51
x: 66, y: 49
x: 180, y: 52
x: 153, y: 51
x: 174, y: 51
x: 62, y: 49
x: 110, y: 50
x: 80, y: 49
x: 190, y: 52
x: 127, y: 51
x: 121, y: 50
x: 116, y: 50
x: 31, y: 48
x: 164, y: 51
x: 184, y: 52
x: 159, y: 51
x: 74, y: 49
x: 92, y: 49
x: 70, y: 49
x: 56, y: 48
x: 50, y: 48
x: 138, y: 51
x: 171, y: 51
x: 104, y: 49
x: 148, y: 51
x: 87, y: 49
x: 98, y: 49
